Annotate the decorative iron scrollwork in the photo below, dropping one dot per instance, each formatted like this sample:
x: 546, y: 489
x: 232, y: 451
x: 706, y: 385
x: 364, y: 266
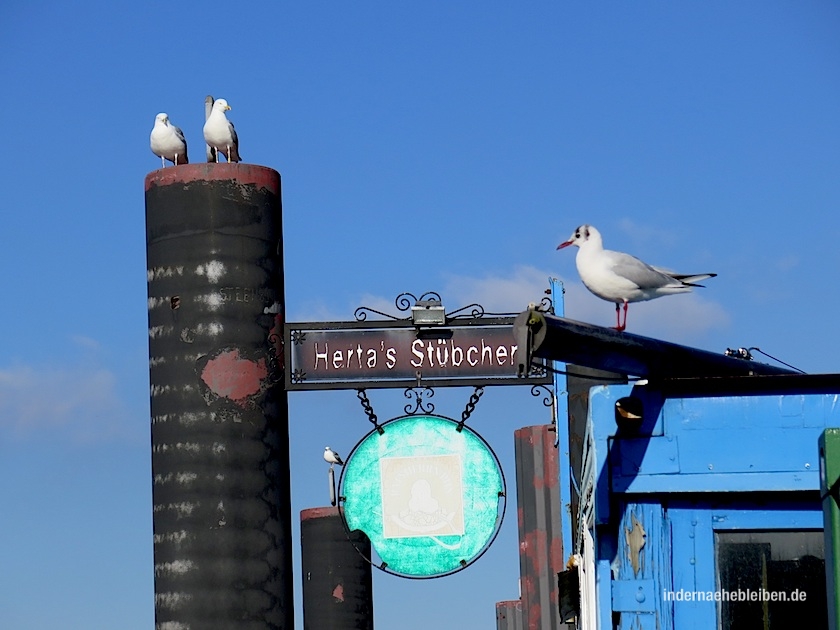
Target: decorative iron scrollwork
x: 405, y: 301
x: 421, y: 400
x: 476, y: 312
x: 274, y: 358
x: 538, y: 369
x: 542, y: 390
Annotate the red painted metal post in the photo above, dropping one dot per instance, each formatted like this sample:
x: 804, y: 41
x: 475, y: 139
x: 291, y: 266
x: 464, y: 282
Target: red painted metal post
x: 509, y: 615
x: 540, y: 542
x: 337, y: 580
x: 220, y: 445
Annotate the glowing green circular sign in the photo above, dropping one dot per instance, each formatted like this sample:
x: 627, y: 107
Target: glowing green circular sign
x: 430, y: 497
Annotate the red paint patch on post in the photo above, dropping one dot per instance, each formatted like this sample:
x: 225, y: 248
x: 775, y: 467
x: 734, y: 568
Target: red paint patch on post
x: 232, y: 377
x: 338, y: 593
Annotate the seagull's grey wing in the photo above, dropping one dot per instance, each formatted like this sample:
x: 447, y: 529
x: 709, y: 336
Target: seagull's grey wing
x: 639, y: 273
x: 180, y: 135
x: 234, y: 154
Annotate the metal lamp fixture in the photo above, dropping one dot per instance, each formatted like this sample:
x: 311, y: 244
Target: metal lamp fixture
x: 428, y: 313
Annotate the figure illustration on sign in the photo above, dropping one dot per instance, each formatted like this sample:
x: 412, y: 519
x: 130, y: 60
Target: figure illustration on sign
x: 423, y: 497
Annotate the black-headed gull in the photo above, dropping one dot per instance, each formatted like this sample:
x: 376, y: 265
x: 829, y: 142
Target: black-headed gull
x: 622, y: 278
x: 168, y: 142
x: 220, y: 134
x: 330, y: 455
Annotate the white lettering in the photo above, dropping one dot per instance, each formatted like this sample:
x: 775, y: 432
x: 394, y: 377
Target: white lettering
x: 486, y: 351
x: 321, y: 356
x: 444, y: 360
x: 457, y: 350
x: 417, y: 343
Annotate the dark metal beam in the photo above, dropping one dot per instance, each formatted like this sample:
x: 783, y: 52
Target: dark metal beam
x: 549, y: 337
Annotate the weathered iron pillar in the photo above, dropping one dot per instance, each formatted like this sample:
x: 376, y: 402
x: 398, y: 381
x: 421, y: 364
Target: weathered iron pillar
x: 337, y: 580
x: 540, y: 541
x: 220, y: 443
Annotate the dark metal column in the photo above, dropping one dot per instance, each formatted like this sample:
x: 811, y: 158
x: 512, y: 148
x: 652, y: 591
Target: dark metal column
x: 337, y: 581
x: 509, y: 615
x: 220, y: 445
x: 540, y: 542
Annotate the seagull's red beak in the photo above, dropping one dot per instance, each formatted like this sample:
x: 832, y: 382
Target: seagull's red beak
x: 562, y: 245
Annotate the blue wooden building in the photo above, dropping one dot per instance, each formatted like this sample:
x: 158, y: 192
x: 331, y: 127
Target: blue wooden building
x: 704, y: 510
x: 694, y: 500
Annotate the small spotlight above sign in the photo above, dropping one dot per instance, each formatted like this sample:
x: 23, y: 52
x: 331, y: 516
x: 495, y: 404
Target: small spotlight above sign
x: 428, y: 313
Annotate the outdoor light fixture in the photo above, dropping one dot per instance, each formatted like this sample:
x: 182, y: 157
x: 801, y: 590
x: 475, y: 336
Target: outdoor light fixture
x: 428, y: 313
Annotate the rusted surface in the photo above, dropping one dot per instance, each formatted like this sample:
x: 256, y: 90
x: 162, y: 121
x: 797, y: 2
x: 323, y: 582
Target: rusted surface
x: 509, y: 615
x: 337, y: 580
x: 248, y: 175
x: 229, y: 375
x: 540, y: 542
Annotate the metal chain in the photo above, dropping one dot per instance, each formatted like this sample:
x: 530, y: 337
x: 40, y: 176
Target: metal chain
x: 471, y: 403
x: 362, y: 396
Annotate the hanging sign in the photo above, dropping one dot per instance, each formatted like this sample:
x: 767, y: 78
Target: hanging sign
x: 361, y: 354
x: 430, y: 497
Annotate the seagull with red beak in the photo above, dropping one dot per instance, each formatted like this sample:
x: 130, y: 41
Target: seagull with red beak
x: 622, y: 278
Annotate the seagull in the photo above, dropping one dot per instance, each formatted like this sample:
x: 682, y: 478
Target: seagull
x: 167, y: 141
x: 220, y: 134
x: 622, y: 278
x: 330, y: 455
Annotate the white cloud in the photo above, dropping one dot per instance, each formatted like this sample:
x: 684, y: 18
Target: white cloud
x: 77, y: 400
x: 510, y: 293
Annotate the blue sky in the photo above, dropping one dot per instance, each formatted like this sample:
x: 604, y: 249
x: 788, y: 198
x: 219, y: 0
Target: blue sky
x: 436, y: 146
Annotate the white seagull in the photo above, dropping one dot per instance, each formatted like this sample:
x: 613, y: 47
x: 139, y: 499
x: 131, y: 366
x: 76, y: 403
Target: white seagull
x: 622, y: 278
x: 168, y: 142
x: 330, y: 455
x: 220, y: 134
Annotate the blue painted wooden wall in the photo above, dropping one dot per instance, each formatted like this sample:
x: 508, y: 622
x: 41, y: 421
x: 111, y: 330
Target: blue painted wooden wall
x: 695, y: 466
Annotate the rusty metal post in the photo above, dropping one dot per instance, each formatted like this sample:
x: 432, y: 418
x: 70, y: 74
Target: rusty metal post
x: 337, y: 580
x: 540, y: 541
x: 509, y: 615
x: 220, y: 445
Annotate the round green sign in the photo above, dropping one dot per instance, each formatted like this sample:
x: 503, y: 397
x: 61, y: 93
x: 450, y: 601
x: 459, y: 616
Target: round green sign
x: 429, y: 495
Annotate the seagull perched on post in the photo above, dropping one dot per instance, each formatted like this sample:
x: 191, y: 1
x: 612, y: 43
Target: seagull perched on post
x: 220, y: 134
x: 332, y: 457
x: 622, y: 278
x: 168, y: 142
